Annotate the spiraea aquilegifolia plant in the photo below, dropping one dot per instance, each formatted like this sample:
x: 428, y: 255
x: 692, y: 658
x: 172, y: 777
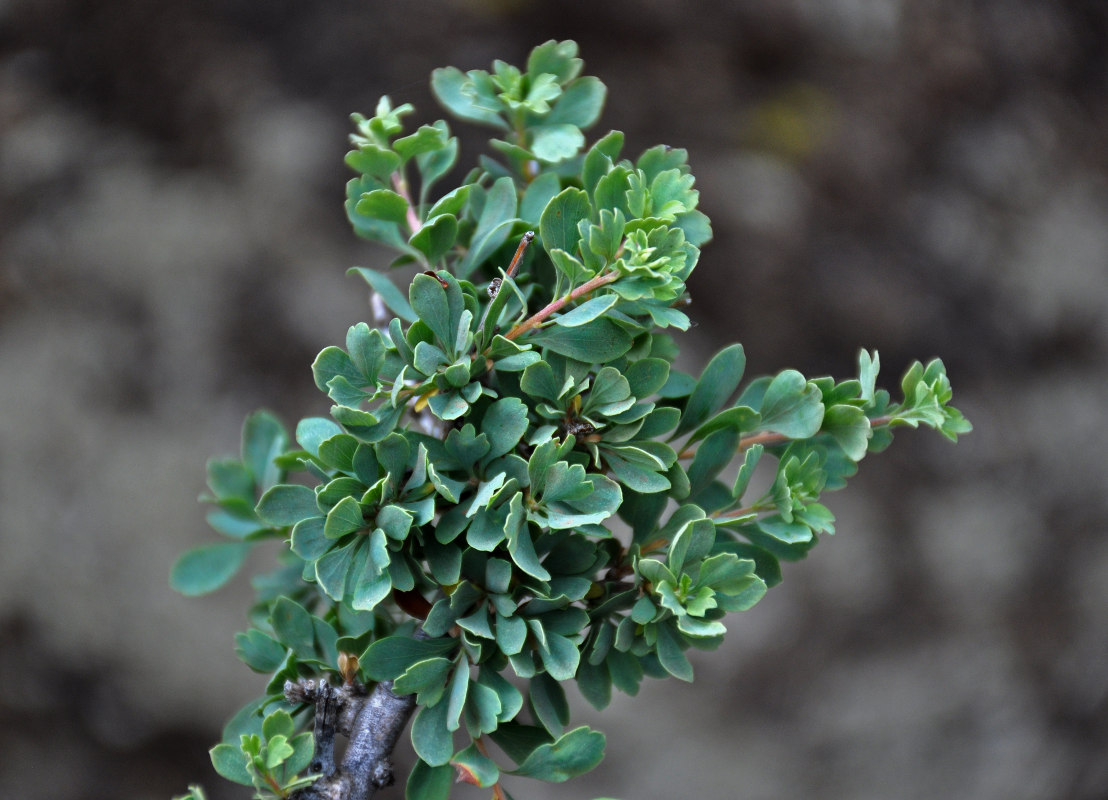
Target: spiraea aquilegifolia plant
x: 515, y: 488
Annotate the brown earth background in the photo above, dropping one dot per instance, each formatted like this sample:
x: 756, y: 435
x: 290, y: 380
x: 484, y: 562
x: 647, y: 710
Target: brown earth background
x: 923, y: 178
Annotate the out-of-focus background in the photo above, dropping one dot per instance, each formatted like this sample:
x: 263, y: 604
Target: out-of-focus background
x: 923, y: 178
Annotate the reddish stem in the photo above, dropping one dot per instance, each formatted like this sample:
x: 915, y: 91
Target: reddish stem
x: 769, y: 438
x: 560, y: 303
x: 401, y: 188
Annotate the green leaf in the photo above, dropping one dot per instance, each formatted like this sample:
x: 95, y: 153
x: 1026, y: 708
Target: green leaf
x: 346, y: 517
x: 331, y: 569
x: 278, y: 723
x: 560, y: 656
x: 670, y: 656
x: 746, y: 471
x: 230, y: 762
x: 574, y: 754
x: 432, y: 740
x: 383, y: 204
x: 372, y: 160
x: 868, y: 367
x: 849, y: 427
x: 538, y: 194
x: 738, y: 419
x: 792, y: 406
x: 371, y: 580
x: 718, y: 382
x: 229, y: 478
x: 287, y: 504
x: 263, y: 439
x: 475, y: 768
x: 293, y: 625
x: 598, y: 341
x: 511, y: 633
x: 426, y: 139
x: 423, y: 675
x: 493, y: 226
x: 435, y: 238
x: 449, y: 86
x: 309, y: 540
x: 389, y: 658
x: 647, y: 376
x: 504, y: 423
x: 435, y: 163
x: 558, y: 224
x: 580, y: 104
x: 549, y: 704
x: 558, y: 59
x: 712, y: 455
x: 204, y: 569
x: 595, y: 684
x: 522, y: 550
x: 554, y: 143
x: 429, y: 783
x: 599, y: 159
x: 587, y: 311
x: 303, y: 748
x: 429, y: 301
x: 383, y: 286
x: 258, y: 651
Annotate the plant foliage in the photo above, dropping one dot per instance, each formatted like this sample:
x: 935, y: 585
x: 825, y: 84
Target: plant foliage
x: 512, y: 465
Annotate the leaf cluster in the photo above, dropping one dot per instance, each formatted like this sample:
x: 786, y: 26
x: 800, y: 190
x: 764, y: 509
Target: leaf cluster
x: 514, y: 465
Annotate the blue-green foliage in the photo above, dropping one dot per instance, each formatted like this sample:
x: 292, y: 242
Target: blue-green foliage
x: 521, y: 472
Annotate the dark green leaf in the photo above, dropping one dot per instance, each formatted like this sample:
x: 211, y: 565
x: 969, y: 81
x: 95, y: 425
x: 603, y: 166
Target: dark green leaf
x: 389, y: 658
x: 670, y: 655
x: 718, y: 382
x: 574, y: 754
x: 549, y: 704
x: 595, y: 684
x: 598, y: 341
x: 429, y: 783
x: 712, y: 455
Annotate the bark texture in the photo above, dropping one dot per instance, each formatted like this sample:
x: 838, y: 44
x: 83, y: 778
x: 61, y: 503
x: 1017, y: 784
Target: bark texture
x: 372, y: 721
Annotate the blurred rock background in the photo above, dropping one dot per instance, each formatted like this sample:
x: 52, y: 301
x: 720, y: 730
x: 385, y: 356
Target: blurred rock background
x: 924, y: 178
